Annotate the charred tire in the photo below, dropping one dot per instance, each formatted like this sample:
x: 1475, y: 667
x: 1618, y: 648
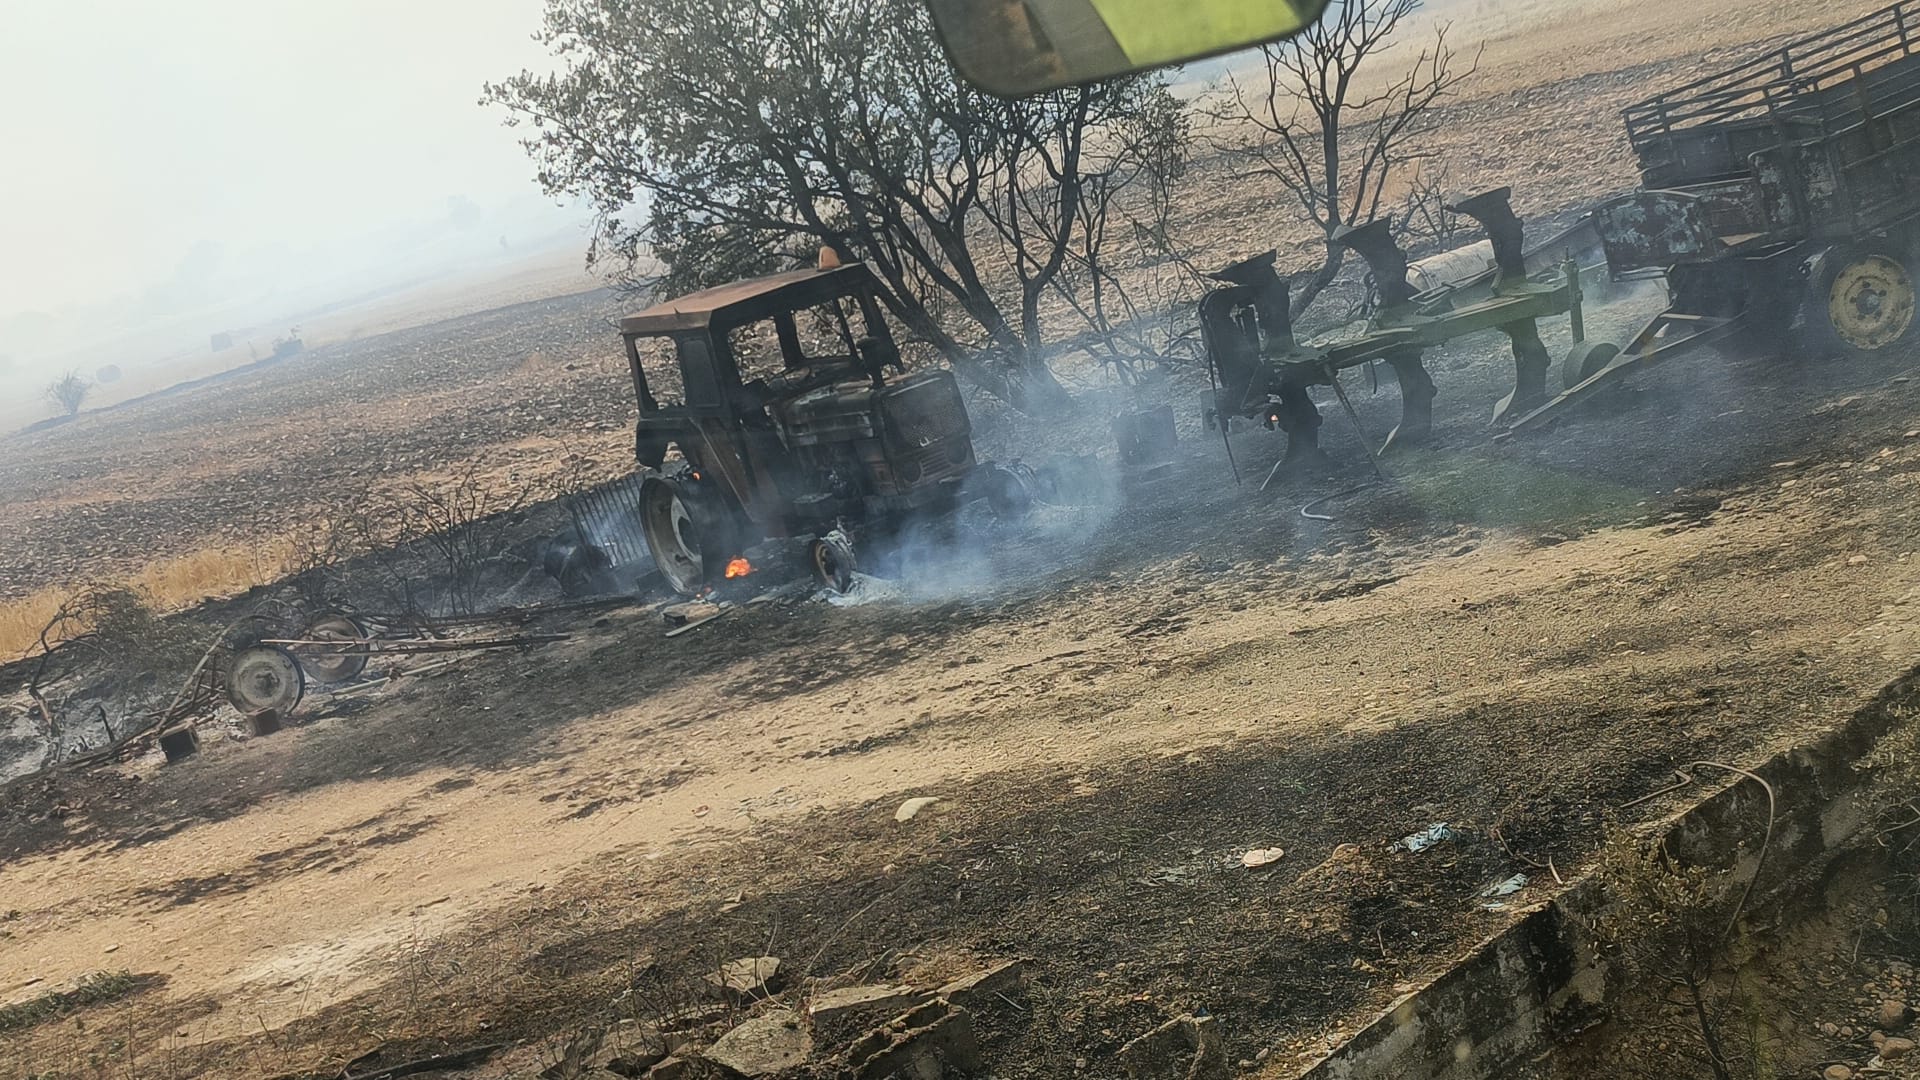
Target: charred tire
x: 687, y: 533
x: 1009, y: 492
x: 265, y: 679
x: 1859, y: 300
x: 833, y: 562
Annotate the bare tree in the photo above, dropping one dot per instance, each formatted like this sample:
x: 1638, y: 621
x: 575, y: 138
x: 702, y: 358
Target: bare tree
x: 1424, y: 218
x: 724, y: 137
x: 1328, y: 133
x: 1126, y: 208
x: 430, y: 546
x: 68, y: 392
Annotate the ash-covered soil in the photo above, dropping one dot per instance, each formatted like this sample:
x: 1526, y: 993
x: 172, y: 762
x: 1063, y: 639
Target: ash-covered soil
x: 266, y: 451
x: 1203, y: 673
x: 1112, y: 706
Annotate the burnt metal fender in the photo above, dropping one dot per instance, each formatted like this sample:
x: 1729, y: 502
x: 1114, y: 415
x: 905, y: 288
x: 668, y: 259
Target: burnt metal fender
x: 1655, y: 229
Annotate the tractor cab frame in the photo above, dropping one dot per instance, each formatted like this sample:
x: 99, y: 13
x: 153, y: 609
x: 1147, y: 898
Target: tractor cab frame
x: 839, y: 435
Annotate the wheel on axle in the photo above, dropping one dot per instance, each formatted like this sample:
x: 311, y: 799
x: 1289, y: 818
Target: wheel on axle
x: 833, y: 562
x: 674, y: 536
x: 1861, y: 300
x: 265, y: 679
x: 1584, y: 361
x: 324, y: 665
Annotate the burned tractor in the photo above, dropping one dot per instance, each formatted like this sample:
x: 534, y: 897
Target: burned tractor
x: 830, y: 439
x: 1780, y: 199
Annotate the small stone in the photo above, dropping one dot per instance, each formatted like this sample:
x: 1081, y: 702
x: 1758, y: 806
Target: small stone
x: 1836, y: 1072
x: 763, y: 1046
x: 749, y: 977
x: 983, y: 987
x: 1830, y: 1029
x: 927, y: 1042
x: 1893, y: 1015
x: 1896, y: 1048
x: 835, y: 1007
x: 1857, y: 560
x: 912, y: 807
x: 1261, y: 857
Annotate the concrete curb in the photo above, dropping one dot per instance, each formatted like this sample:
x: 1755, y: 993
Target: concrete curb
x: 1537, y: 982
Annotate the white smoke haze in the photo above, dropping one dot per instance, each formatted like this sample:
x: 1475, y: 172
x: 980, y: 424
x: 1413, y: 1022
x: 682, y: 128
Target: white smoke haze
x: 972, y: 554
x: 178, y: 170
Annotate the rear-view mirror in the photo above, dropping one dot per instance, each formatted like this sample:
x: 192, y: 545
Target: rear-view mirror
x: 1017, y: 47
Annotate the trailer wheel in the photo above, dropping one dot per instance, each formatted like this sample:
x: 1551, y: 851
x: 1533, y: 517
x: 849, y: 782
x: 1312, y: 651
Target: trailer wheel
x: 1586, y: 360
x: 1859, y: 300
x: 337, y: 666
x: 265, y: 679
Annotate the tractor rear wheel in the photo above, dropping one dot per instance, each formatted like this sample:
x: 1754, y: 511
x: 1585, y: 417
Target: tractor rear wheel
x: 674, y: 533
x: 1861, y: 300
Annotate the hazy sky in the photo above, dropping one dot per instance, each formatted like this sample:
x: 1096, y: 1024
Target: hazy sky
x: 137, y: 129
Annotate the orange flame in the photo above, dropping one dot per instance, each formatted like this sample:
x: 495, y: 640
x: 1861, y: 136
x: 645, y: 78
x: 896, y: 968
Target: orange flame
x: 738, y: 568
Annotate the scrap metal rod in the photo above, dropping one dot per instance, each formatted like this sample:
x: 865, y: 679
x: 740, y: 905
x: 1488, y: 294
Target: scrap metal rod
x: 380, y: 646
x: 509, y: 614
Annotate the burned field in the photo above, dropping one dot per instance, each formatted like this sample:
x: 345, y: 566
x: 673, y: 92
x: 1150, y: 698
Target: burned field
x: 1108, y: 730
x: 1260, y: 760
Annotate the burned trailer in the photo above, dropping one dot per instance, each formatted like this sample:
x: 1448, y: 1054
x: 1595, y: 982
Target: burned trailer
x: 839, y: 443
x: 1780, y: 199
x: 1262, y: 372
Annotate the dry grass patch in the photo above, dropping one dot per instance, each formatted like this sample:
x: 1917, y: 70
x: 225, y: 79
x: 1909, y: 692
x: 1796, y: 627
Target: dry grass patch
x: 164, y: 585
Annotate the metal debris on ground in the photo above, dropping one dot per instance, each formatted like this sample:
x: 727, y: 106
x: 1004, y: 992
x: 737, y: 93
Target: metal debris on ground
x: 1426, y: 838
x: 1504, y: 888
x: 1261, y: 857
x: 684, y: 617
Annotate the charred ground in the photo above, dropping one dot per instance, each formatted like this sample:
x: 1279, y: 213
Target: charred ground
x: 1517, y: 639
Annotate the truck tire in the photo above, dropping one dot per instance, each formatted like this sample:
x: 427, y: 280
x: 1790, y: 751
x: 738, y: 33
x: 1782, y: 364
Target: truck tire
x: 1859, y: 300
